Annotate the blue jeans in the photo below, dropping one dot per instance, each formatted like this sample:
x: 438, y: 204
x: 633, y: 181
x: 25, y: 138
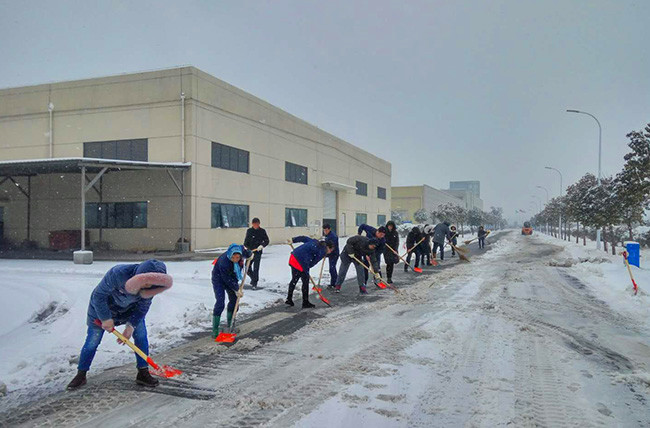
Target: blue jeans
x: 94, y: 338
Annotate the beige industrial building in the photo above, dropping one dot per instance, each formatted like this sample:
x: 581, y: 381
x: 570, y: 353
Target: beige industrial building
x: 158, y: 155
x: 409, y: 199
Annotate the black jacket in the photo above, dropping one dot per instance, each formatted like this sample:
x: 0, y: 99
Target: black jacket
x: 482, y: 233
x: 413, y: 237
x: 255, y: 238
x: 359, y: 246
x: 392, y: 239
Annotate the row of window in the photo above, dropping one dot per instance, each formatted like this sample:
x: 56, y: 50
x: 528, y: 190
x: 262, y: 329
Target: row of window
x: 133, y: 215
x: 224, y: 157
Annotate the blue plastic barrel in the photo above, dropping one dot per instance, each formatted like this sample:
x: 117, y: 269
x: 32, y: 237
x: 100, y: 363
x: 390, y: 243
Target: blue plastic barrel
x: 634, y: 252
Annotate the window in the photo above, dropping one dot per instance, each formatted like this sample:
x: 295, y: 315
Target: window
x: 381, y: 192
x: 295, y: 217
x: 229, y: 215
x: 226, y: 157
x: 361, y: 219
x: 381, y: 220
x: 135, y: 150
x: 295, y: 173
x: 116, y: 215
x: 362, y: 188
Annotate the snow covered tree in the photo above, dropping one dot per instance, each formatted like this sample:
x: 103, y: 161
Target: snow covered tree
x: 475, y: 218
x: 421, y: 216
x: 396, y: 216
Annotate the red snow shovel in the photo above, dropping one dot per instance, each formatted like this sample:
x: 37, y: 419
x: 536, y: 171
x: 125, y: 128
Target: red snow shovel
x: 164, y: 371
x: 229, y: 337
x: 416, y: 269
x: 315, y: 287
x: 381, y: 284
x: 629, y: 270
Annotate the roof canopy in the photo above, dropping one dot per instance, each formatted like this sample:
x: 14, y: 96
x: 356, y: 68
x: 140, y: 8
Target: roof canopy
x: 17, y: 168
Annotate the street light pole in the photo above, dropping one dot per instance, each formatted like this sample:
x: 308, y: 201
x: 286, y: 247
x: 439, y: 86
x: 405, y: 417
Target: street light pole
x: 600, y: 153
x: 560, y: 220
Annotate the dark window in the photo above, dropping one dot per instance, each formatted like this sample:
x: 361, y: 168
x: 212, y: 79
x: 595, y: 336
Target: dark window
x: 362, y: 188
x: 381, y: 192
x: 229, y: 215
x: 381, y: 220
x: 230, y: 158
x: 116, y: 215
x: 361, y: 219
x: 135, y: 150
x: 295, y: 217
x: 295, y: 173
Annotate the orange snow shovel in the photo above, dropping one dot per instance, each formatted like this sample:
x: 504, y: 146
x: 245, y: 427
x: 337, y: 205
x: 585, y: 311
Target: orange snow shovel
x: 629, y: 270
x: 230, y: 337
x: 381, y: 284
x: 164, y: 371
x: 315, y: 287
x: 417, y: 269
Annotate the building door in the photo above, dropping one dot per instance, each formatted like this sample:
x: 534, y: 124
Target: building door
x: 329, y: 208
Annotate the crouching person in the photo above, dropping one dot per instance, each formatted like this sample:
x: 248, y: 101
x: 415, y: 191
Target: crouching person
x: 301, y: 260
x: 228, y: 271
x: 123, y: 296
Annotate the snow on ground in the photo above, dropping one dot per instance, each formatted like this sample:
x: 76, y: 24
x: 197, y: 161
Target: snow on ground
x: 44, y: 305
x: 607, y: 275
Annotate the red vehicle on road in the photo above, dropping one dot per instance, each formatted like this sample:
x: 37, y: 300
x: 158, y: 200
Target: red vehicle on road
x: 527, y: 229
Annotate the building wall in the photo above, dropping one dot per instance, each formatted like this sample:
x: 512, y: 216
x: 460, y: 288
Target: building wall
x: 408, y: 199
x: 147, y: 105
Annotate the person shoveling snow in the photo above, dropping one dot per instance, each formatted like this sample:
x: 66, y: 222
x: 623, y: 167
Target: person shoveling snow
x: 123, y: 296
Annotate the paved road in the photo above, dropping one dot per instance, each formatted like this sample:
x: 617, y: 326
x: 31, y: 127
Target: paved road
x: 503, y: 340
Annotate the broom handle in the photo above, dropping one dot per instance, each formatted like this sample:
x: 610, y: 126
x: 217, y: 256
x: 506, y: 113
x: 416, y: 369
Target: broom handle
x: 130, y: 345
x: 322, y: 266
x: 413, y: 247
x: 369, y: 269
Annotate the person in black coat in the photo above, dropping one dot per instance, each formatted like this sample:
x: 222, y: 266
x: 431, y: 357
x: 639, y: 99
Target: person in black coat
x: 364, y: 249
x: 454, y: 239
x: 333, y: 257
x: 256, y: 238
x: 392, y: 239
x: 425, y: 246
x: 413, y: 238
x: 481, y: 237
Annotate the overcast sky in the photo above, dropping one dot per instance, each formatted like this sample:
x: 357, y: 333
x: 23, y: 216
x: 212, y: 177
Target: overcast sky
x: 444, y: 90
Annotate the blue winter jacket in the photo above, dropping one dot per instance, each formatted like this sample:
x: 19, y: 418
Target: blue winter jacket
x: 223, y: 272
x: 335, y: 239
x: 111, y: 300
x: 309, y: 253
x: 370, y: 233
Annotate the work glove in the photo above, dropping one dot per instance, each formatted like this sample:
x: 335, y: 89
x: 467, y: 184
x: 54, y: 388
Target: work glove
x: 260, y: 248
x: 240, y: 294
x: 108, y: 325
x: 128, y: 332
x: 289, y: 241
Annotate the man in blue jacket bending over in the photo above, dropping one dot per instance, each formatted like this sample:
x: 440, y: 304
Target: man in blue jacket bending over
x: 301, y: 260
x: 123, y: 296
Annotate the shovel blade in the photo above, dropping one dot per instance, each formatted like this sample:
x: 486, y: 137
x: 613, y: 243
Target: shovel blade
x: 418, y: 270
x: 166, y: 372
x: 226, y: 337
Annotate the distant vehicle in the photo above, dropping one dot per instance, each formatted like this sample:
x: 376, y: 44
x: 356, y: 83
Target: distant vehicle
x: 527, y: 229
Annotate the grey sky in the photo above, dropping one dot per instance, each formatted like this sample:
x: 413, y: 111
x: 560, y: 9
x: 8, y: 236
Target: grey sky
x: 443, y: 90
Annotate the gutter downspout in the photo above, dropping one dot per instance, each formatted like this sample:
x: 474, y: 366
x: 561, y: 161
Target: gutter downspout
x: 182, y: 126
x: 50, y: 108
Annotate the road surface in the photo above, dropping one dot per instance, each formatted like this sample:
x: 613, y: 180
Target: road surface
x: 503, y: 340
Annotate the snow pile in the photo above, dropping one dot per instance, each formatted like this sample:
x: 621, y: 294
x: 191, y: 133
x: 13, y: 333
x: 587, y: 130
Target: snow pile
x: 607, y: 276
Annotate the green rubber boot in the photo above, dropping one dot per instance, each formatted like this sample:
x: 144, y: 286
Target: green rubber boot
x: 229, y: 318
x: 216, y: 320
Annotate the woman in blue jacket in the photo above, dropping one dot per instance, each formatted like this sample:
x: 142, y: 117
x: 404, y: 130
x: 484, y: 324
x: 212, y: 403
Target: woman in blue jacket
x: 301, y: 260
x: 227, y: 273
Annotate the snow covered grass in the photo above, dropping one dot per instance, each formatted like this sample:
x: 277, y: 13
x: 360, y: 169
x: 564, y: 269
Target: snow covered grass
x: 607, y: 276
x: 44, y: 305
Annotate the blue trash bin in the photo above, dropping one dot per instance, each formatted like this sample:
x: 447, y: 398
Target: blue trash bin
x: 634, y: 252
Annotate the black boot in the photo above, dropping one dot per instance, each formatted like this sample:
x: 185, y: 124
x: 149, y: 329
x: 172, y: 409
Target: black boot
x: 144, y: 378
x: 78, y: 381
x: 307, y: 304
x: 289, y: 301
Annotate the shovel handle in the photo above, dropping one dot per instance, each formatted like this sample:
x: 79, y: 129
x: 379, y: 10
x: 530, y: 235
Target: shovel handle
x: 241, y: 289
x: 401, y: 258
x: 413, y: 247
x: 131, y: 345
